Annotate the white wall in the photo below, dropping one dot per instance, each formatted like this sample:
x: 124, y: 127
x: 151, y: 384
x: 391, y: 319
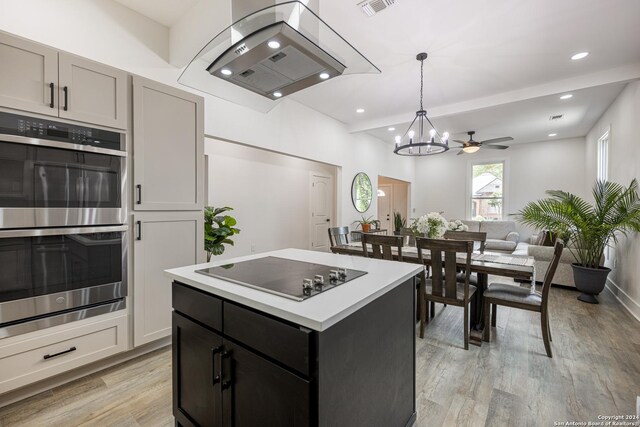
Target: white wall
x: 108, y: 32
x: 531, y: 169
x: 623, y: 116
x: 268, y: 191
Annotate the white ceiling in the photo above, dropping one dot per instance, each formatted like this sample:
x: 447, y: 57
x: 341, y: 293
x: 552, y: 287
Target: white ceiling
x: 524, y: 121
x: 165, y: 12
x: 494, y: 65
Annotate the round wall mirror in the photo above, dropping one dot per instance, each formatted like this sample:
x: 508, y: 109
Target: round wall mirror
x: 361, y: 192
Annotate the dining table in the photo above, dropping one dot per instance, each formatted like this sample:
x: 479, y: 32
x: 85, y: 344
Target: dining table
x: 518, y: 267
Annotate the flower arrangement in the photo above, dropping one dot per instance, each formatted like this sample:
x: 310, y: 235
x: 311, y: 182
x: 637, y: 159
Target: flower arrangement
x: 432, y: 225
x: 457, y: 225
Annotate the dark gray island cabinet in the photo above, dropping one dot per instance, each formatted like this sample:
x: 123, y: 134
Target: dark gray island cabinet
x: 242, y: 357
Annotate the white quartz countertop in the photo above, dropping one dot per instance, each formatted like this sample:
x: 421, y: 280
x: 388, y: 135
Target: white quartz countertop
x: 318, y: 312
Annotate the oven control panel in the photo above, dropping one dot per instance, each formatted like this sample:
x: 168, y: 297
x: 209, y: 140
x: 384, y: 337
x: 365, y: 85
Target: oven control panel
x: 32, y: 127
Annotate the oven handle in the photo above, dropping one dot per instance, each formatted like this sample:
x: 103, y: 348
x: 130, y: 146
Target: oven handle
x: 57, y: 144
x: 60, y: 231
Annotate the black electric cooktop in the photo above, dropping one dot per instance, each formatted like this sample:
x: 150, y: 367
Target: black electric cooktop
x: 296, y: 280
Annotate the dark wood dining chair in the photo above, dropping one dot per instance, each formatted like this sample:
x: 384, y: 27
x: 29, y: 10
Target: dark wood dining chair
x: 382, y: 246
x: 443, y: 286
x: 474, y: 236
x: 338, y: 235
x: 408, y: 235
x: 523, y: 298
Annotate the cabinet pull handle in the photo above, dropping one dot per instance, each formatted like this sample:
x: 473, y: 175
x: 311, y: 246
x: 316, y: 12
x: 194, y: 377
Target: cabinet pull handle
x: 49, y: 356
x: 51, y: 86
x: 139, y: 230
x: 66, y: 98
x: 139, y: 190
x: 227, y: 380
x: 216, y: 375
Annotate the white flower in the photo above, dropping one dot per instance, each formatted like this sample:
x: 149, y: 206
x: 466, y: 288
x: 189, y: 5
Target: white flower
x: 458, y: 225
x: 432, y: 225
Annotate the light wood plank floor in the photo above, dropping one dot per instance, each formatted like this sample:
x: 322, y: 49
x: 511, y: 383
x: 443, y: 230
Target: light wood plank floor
x: 595, y: 370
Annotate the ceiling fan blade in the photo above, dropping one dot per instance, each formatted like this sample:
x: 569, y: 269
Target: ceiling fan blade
x: 495, y: 147
x: 460, y: 152
x: 458, y: 141
x: 494, y: 140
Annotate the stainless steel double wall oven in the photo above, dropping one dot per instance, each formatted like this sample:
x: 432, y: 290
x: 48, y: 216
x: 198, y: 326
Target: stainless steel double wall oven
x: 63, y: 233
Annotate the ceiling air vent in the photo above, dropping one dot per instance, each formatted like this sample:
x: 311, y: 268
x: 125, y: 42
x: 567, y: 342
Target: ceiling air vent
x: 556, y: 117
x: 371, y: 7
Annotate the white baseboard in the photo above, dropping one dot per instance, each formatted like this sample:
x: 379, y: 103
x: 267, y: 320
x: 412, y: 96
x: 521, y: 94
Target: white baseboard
x: 627, y: 302
x: 83, y: 371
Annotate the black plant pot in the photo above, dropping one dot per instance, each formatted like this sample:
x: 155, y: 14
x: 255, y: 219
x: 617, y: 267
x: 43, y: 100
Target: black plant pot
x: 590, y: 281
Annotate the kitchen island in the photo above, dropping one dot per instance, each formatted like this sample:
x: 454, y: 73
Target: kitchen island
x: 343, y: 357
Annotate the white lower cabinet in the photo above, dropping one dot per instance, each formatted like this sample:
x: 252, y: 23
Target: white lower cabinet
x: 35, y: 356
x: 162, y: 240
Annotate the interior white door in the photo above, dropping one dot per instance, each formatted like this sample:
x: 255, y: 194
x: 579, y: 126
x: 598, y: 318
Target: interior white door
x: 322, y: 209
x: 385, y: 207
x: 162, y: 240
x: 28, y: 76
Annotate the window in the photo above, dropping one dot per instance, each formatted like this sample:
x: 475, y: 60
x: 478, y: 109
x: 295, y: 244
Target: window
x: 603, y: 157
x: 487, y: 191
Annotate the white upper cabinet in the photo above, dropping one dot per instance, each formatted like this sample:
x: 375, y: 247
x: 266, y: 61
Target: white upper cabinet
x: 28, y: 76
x: 42, y: 80
x: 168, y: 147
x: 92, y: 92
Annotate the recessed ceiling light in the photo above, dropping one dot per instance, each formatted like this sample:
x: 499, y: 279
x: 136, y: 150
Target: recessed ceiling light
x: 553, y: 134
x: 580, y: 55
x: 273, y: 44
x: 324, y: 76
x: 226, y: 71
x: 277, y: 94
x: 567, y: 96
x: 360, y: 110
x: 391, y: 129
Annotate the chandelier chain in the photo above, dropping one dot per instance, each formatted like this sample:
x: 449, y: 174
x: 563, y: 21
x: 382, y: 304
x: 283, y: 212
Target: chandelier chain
x: 421, y: 82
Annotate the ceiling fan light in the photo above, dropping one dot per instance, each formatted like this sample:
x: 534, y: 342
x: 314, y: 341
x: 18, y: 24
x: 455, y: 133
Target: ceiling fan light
x: 470, y: 149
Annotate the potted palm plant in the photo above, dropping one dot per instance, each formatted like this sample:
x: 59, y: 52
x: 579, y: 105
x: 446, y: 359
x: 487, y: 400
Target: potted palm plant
x: 217, y: 230
x: 366, y: 223
x: 588, y: 228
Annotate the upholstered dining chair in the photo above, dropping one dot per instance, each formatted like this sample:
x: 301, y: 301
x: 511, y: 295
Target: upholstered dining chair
x: 523, y: 298
x: 443, y: 286
x: 338, y: 235
x: 474, y: 236
x: 382, y: 246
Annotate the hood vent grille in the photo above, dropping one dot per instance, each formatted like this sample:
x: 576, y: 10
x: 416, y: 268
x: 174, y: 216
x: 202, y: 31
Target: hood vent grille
x: 371, y: 7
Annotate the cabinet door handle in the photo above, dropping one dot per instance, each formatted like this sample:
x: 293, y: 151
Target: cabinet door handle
x: 49, y: 356
x: 66, y: 98
x: 139, y: 190
x: 226, y: 373
x: 217, y: 375
x: 139, y: 230
x: 51, y: 86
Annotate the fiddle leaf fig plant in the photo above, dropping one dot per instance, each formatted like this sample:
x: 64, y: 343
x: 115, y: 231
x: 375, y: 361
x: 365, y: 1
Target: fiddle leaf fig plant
x: 217, y: 230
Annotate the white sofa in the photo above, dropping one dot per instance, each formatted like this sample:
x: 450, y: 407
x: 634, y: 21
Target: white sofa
x: 542, y: 257
x: 501, y: 235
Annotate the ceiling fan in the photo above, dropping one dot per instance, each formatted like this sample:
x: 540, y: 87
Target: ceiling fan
x: 471, y: 146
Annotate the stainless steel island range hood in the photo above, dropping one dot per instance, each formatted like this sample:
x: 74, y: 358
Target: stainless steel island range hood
x: 272, y: 51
